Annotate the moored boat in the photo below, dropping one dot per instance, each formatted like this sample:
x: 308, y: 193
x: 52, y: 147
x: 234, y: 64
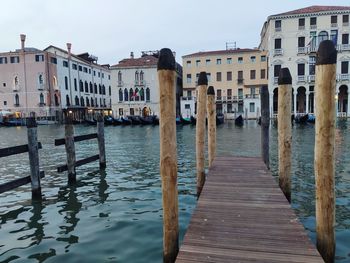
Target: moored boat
x: 220, y: 118
x: 135, y: 120
x: 239, y: 121
x: 301, y: 119
x: 146, y: 120
x: 185, y: 121
x: 126, y: 121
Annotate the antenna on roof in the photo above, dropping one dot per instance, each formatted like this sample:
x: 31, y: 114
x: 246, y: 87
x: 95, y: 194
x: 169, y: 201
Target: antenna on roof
x: 231, y: 45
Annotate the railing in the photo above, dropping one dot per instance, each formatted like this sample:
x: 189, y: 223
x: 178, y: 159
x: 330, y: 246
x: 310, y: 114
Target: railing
x: 275, y: 80
x: 343, y: 77
x: 313, y: 26
x: 240, y: 81
x: 252, y: 96
x: 311, y: 78
x: 301, y: 27
x: 345, y: 23
x: 120, y: 83
x: 41, y: 104
x: 278, y: 52
x: 278, y: 29
x: 302, y: 50
x: 240, y: 97
x: 301, y: 78
x: 188, y: 98
x: 345, y: 47
x: 334, y: 24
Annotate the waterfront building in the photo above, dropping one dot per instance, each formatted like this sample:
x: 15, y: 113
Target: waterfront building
x: 291, y: 40
x: 236, y: 75
x: 51, y: 81
x: 135, y: 85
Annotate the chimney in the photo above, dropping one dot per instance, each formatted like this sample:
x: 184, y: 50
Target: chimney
x: 23, y: 39
x: 69, y: 46
x: 131, y: 54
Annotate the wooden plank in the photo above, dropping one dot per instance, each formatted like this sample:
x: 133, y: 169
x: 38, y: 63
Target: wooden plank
x: 17, y: 183
x: 77, y: 138
x: 90, y: 159
x: 4, y: 152
x: 243, y: 216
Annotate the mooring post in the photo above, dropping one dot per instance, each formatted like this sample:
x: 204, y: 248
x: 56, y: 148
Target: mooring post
x: 70, y: 147
x: 246, y: 114
x: 265, y: 125
x: 200, y: 129
x: 33, y: 151
x: 101, y: 141
x: 168, y: 156
x: 326, y: 59
x: 284, y: 131
x: 211, y: 113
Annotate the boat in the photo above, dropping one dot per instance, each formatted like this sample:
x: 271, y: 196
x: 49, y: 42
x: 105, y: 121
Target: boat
x: 220, y: 118
x: 13, y: 122
x: 90, y: 122
x: 259, y: 121
x: 146, y: 120
x: 185, y: 121
x: 239, y: 121
x: 135, y: 120
x: 156, y: 120
x: 108, y: 120
x: 126, y: 121
x: 117, y: 121
x: 301, y: 119
x: 193, y: 120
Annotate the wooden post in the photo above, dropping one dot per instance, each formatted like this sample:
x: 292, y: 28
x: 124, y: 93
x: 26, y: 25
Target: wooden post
x: 33, y: 152
x: 284, y: 131
x: 246, y: 114
x: 265, y: 125
x: 168, y: 156
x: 200, y: 130
x: 324, y: 149
x: 211, y: 113
x: 101, y: 141
x: 70, y: 148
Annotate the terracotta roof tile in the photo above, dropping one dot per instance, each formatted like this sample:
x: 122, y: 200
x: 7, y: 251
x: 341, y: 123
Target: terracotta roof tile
x: 221, y: 52
x: 137, y: 62
x: 314, y: 9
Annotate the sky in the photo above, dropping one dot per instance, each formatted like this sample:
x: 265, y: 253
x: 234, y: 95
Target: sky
x: 111, y: 29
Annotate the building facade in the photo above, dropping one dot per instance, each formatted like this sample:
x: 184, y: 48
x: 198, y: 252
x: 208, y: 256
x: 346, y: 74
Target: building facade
x: 51, y: 81
x: 236, y: 75
x: 291, y: 40
x: 135, y: 86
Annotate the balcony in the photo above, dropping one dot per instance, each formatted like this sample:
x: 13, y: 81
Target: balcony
x: 240, y: 97
x: 41, y: 104
x: 218, y: 98
x: 252, y: 96
x: 343, y: 77
x: 41, y: 86
x: 120, y: 83
x: 345, y: 47
x: 301, y: 27
x: 188, y: 98
x: 302, y: 50
x: 313, y: 26
x: 275, y: 80
x: 301, y: 79
x: 240, y: 81
x: 312, y: 49
x: 140, y: 82
x: 312, y: 78
x: 345, y: 23
x: 16, y: 105
x: 16, y: 87
x: 278, y: 52
x: 278, y: 29
x: 334, y: 24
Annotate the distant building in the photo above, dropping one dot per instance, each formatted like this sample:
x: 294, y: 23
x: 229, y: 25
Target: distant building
x: 135, y: 85
x: 51, y: 81
x: 236, y: 75
x: 292, y: 39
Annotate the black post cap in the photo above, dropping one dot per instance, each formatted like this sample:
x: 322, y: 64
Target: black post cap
x: 202, y: 79
x: 210, y: 90
x: 284, y: 77
x: 166, y: 59
x: 326, y: 53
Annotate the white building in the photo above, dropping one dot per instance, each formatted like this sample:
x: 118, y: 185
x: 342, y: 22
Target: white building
x: 292, y: 39
x: 135, y: 85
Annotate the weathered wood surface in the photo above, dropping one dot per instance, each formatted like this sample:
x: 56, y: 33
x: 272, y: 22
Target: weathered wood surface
x: 4, y: 152
x: 242, y: 216
x: 76, y: 138
x: 17, y: 183
x: 90, y: 159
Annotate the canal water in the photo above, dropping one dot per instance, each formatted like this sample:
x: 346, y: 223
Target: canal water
x: 116, y: 215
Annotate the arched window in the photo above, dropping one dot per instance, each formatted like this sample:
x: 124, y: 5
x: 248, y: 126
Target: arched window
x: 142, y: 94
x: 104, y: 102
x: 86, y: 87
x: 82, y: 102
x: 57, y: 103
x: 126, y: 95
x: 15, y: 81
x: 131, y: 94
x: 76, y: 101
x: 101, y: 102
x: 87, y: 101
x: 103, y: 90
x: 91, y: 88
x: 136, y: 76
x: 75, y: 84
x: 99, y: 89
x: 141, y: 75
x: 67, y: 100
x: 95, y: 88
x: 137, y: 94
x: 41, y: 99
x: 96, y: 102
x: 323, y: 35
x: 109, y: 91
x: 81, y: 86
x: 40, y: 79
x: 65, y: 82
x: 16, y: 100
x: 148, y: 94
x: 119, y: 76
x: 120, y: 95
x: 92, y: 102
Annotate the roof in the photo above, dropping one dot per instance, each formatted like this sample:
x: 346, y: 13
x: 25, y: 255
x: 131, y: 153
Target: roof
x: 315, y: 9
x: 144, y: 61
x: 221, y: 52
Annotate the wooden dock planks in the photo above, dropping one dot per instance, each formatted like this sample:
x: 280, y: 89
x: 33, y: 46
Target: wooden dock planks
x: 243, y: 216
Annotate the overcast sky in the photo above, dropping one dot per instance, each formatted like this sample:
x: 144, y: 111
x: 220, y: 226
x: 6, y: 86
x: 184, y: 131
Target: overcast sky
x: 110, y: 29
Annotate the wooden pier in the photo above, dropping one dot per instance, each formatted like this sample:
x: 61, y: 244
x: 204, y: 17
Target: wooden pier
x: 243, y: 216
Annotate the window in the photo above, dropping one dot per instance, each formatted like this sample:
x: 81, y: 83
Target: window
x: 119, y: 76
x: 41, y: 99
x: 148, y: 94
x: 80, y: 68
x: 278, y: 24
x: 188, y: 63
x: 252, y: 90
x: 229, y: 60
x: 87, y: 101
x: 65, y: 63
x: 278, y: 43
x: 67, y: 100
x: 301, y: 41
x: 53, y: 60
x: 276, y: 70
x: 3, y: 60
x: 229, y: 94
x: 187, y: 106
x: 252, y: 59
x: 81, y: 86
x: 334, y: 36
x: 136, y: 76
x: 5, y: 103
x: 301, y: 23
x: 39, y: 58
x: 74, y: 66
x: 252, y: 74
x: 85, y: 69
x: 90, y: 71
x: 218, y: 94
x: 344, y: 67
x: 141, y: 75
x: 4, y: 84
x: 14, y: 59
x: 209, y: 77
x: 40, y: 79
x: 240, y: 94
x: 207, y: 62
x: 100, y: 89
x: 66, y: 82
x: 345, y: 39
x: 345, y: 20
x: 82, y: 101
x: 126, y: 95
x: 91, y: 88
x: 94, y: 73
x: 313, y: 22
x: 95, y: 88
x: 142, y: 94
x: 197, y: 76
x: 103, y: 75
x: 312, y: 62
x: 189, y: 93
x: 218, y: 76
x: 323, y: 35
x: 240, y: 75
x: 301, y: 69
x: 252, y: 107
x: 86, y: 87
x: 92, y: 102
x: 189, y: 78
x: 16, y: 100
x: 198, y: 63
x: 263, y: 58
x: 262, y: 73
x: 334, y: 21
x: 109, y: 90
x: 240, y: 60
x: 229, y: 76
x: 75, y: 84
x: 57, y: 102
x: 218, y: 61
